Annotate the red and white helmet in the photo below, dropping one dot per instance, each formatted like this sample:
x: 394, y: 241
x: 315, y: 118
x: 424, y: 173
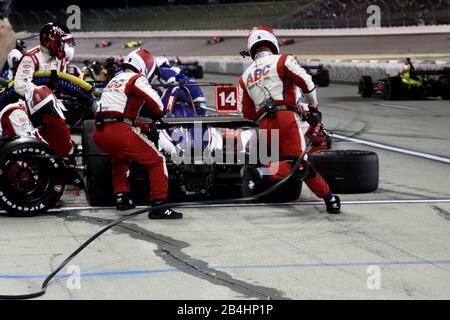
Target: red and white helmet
x: 42, y: 101
x: 260, y: 36
x: 54, y: 36
x: 141, y: 61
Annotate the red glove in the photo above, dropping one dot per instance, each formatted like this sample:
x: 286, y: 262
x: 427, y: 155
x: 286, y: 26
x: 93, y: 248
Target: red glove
x: 145, y: 128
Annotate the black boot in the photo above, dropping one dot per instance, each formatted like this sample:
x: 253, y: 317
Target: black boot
x: 334, y: 205
x: 163, y: 213
x: 123, y: 202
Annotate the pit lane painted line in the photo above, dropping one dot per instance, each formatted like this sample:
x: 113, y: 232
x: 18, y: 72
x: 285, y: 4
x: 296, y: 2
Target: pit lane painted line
x: 395, y: 106
x: 250, y: 205
x: 128, y: 273
x: 395, y: 149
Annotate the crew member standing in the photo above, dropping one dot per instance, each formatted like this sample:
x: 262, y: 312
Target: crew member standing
x: 118, y: 134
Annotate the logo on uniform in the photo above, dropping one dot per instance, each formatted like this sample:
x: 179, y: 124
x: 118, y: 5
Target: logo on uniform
x: 258, y: 74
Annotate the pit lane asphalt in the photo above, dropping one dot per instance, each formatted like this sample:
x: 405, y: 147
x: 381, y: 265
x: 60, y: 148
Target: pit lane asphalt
x: 279, y: 252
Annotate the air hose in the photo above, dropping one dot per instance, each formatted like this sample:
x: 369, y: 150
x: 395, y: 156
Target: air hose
x: 65, y: 82
x: 47, y: 280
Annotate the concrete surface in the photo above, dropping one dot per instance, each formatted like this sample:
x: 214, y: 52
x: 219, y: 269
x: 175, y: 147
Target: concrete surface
x: 278, y: 252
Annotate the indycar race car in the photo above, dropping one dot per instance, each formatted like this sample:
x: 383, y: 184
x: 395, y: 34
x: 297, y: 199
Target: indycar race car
x: 411, y: 83
x: 103, y: 44
x: 320, y: 75
x: 215, y: 40
x: 190, y: 69
x: 286, y: 41
x: 132, y: 44
x: 222, y: 165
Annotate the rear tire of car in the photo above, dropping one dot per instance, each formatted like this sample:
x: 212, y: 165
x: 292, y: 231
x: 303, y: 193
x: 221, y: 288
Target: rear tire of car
x: 393, y: 88
x: 99, y: 186
x: 444, y: 83
x: 348, y: 171
x: 324, y: 78
x: 288, y: 192
x: 365, y: 87
x: 198, y: 72
x: 30, y: 185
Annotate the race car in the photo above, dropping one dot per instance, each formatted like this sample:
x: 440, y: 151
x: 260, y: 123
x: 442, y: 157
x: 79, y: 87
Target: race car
x: 103, y: 44
x: 286, y: 41
x: 190, y: 69
x: 132, y: 44
x: 320, y: 75
x: 410, y: 83
x: 215, y: 39
x: 33, y: 178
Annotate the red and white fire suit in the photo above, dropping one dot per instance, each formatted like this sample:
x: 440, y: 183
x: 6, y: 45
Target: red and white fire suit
x: 14, y: 121
x: 53, y: 128
x: 277, y: 77
x: 123, y: 98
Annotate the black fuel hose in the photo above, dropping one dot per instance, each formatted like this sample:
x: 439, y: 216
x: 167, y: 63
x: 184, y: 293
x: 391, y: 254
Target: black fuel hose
x: 143, y: 211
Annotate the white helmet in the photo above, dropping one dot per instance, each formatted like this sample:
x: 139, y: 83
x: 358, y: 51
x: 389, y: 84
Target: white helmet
x: 162, y: 62
x: 13, y: 58
x: 259, y: 36
x: 141, y: 61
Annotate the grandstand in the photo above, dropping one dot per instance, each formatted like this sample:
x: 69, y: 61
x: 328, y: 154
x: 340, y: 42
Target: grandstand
x: 244, y: 14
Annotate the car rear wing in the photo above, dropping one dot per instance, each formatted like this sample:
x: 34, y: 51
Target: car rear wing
x: 428, y: 72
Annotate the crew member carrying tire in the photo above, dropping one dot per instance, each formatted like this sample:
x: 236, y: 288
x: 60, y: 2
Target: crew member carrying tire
x: 118, y: 134
x: 268, y: 96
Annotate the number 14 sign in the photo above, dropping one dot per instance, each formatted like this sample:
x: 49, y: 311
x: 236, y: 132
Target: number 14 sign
x: 227, y: 99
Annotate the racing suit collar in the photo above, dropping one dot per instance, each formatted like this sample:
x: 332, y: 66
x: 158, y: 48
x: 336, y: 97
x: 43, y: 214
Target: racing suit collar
x: 263, y: 54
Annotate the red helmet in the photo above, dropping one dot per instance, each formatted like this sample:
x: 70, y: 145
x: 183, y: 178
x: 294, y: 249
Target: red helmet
x: 141, y: 61
x: 54, y: 36
x: 42, y: 101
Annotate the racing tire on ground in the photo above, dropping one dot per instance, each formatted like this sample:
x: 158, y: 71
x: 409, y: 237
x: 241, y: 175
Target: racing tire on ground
x: 198, y: 72
x: 393, y: 88
x: 31, y: 177
x: 324, y: 78
x: 252, y: 185
x: 99, y: 185
x: 348, y: 171
x: 366, y: 87
x: 444, y: 83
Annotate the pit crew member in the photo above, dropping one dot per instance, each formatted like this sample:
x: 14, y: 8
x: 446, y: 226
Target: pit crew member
x: 268, y: 96
x: 49, y: 55
x: 118, y: 134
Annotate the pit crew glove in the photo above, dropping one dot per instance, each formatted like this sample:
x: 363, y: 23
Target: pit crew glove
x: 313, y: 117
x: 153, y: 136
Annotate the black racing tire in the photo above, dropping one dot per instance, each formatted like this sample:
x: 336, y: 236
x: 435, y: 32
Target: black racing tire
x: 99, y: 185
x: 444, y: 87
x: 29, y: 185
x: 348, y: 171
x: 198, y: 72
x: 253, y: 185
x: 324, y: 78
x: 365, y: 87
x: 393, y: 88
